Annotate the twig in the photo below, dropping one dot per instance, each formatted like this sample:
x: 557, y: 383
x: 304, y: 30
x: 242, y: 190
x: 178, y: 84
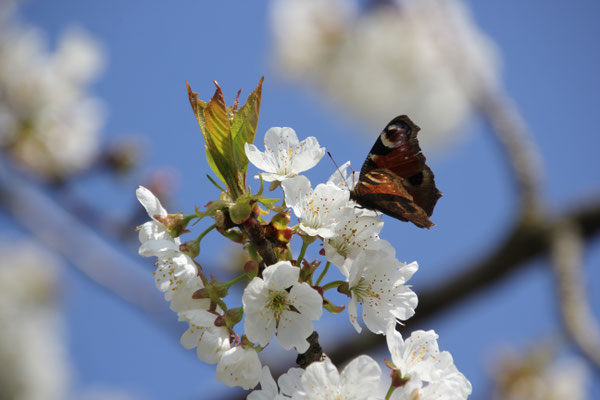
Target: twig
x: 519, y: 149
x: 252, y: 228
x: 579, y: 321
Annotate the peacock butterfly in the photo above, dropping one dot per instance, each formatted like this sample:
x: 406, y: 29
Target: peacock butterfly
x: 394, y: 178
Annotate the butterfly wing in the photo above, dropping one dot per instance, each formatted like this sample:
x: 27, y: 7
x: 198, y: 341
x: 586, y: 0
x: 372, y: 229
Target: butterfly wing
x: 384, y: 191
x: 395, y: 179
x: 396, y: 149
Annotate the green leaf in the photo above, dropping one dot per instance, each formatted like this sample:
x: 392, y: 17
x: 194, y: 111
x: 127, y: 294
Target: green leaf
x: 226, y: 130
x: 243, y: 127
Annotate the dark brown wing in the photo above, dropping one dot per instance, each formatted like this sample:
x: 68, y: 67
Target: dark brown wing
x: 398, y: 197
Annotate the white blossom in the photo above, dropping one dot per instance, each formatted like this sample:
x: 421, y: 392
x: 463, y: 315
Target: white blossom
x: 239, y: 367
x: 432, y: 372
x: 355, y: 232
x: 269, y: 306
x: 268, y: 388
x: 317, y: 209
x: 33, y: 351
x: 378, y: 281
x: 427, y: 58
x: 48, y: 121
x: 284, y: 156
x: 341, y: 179
x: 173, y: 268
x: 210, y: 341
x: 358, y: 381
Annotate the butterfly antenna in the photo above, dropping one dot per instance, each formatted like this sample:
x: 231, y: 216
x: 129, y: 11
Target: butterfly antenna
x: 340, y: 172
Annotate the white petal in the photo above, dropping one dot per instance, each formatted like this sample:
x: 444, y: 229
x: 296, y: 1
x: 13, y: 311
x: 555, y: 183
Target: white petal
x: 293, y: 330
x: 306, y: 300
x: 395, y: 344
x: 289, y: 383
x: 191, y: 336
x: 152, y: 230
x: 308, y: 155
x: 360, y: 378
x: 239, y: 367
x: 213, y: 342
x: 353, y: 314
x: 268, y: 387
x: 201, y: 318
x: 321, y: 380
x: 150, y: 202
x: 297, y: 192
x: 258, y: 158
x: 158, y: 248
x: 281, y: 275
x: 254, y: 298
x: 260, y: 327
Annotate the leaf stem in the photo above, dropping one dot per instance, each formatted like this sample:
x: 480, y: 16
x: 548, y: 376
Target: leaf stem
x: 206, y: 231
x: 389, y: 392
x: 323, y: 273
x: 332, y: 285
x: 235, y: 280
x: 305, y: 244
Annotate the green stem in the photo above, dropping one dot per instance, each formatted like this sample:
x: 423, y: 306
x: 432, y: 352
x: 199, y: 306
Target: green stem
x: 323, y: 273
x: 332, y: 285
x: 302, y: 251
x: 389, y: 392
x: 210, y: 228
x: 235, y: 280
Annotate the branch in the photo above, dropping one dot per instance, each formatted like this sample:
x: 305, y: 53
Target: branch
x: 519, y: 149
x: 525, y: 242
x: 579, y: 321
x: 82, y: 247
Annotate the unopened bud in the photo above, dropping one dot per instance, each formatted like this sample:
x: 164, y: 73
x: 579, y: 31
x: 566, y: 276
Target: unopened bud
x: 191, y: 248
x: 233, y: 316
x: 251, y: 269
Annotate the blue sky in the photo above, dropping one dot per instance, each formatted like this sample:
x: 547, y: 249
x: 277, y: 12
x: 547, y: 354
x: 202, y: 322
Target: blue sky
x: 550, y: 63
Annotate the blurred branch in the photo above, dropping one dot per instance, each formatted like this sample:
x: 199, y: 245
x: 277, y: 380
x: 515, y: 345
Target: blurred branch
x: 523, y: 243
x: 579, y: 321
x: 520, y: 151
x: 92, y: 255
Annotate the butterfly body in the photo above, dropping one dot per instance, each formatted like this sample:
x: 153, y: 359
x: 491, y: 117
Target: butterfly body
x: 394, y: 178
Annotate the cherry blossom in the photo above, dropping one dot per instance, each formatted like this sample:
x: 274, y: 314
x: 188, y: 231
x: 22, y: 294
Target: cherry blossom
x: 269, y: 306
x: 210, y: 341
x: 317, y: 209
x: 239, y: 366
x: 358, y: 381
x: 341, y: 179
x: 289, y: 383
x: 354, y: 233
x: 284, y: 156
x: 432, y: 372
x: 173, y: 268
x: 378, y: 281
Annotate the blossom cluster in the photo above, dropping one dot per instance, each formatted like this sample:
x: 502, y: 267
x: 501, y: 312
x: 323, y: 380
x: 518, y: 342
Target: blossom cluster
x: 48, y: 121
x: 425, y: 57
x: 283, y: 299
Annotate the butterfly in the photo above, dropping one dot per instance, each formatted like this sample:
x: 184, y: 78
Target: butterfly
x: 394, y: 178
